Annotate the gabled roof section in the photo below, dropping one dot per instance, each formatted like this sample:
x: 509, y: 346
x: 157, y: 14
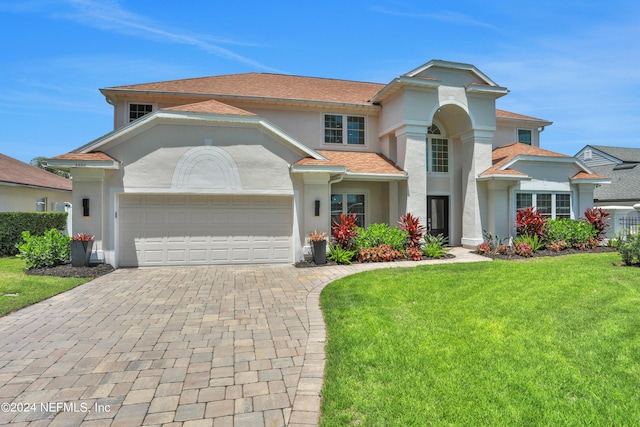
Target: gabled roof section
x: 261, y: 86
x: 624, y: 154
x: 437, y: 73
x: 211, y: 107
x: 503, y: 158
x: 355, y: 164
x: 423, y: 70
x: 202, y: 112
x: 15, y: 172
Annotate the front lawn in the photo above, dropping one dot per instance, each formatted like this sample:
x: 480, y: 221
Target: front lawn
x: 19, y: 290
x: 548, y: 341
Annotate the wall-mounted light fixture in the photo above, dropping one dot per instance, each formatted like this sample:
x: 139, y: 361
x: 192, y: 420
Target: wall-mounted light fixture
x: 85, y: 207
x: 317, y: 207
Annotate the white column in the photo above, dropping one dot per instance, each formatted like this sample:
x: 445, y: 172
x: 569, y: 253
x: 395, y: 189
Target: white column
x: 476, y: 158
x: 412, y: 157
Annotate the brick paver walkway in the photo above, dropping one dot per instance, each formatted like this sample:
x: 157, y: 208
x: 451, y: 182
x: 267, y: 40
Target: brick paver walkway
x: 176, y: 346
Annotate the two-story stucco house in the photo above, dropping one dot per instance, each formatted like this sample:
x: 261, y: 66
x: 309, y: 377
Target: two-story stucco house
x: 240, y: 168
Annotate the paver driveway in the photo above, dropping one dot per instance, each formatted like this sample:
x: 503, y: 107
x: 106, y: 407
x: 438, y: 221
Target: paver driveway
x: 175, y: 346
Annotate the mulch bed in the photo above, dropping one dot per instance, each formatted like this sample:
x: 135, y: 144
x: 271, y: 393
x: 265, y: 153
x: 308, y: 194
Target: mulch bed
x: 67, y: 270
x: 308, y: 264
x: 547, y: 253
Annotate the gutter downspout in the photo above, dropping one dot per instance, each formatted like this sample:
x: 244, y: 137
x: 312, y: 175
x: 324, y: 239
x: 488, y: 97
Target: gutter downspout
x: 332, y: 180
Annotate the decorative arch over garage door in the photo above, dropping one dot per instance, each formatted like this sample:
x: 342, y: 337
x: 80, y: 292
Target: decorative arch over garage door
x: 206, y: 167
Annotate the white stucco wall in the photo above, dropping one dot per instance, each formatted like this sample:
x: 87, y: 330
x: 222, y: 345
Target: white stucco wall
x: 23, y: 199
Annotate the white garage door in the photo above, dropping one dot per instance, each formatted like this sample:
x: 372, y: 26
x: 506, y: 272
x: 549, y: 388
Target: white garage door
x: 189, y: 229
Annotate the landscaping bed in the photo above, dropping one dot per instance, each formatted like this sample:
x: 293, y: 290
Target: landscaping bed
x: 67, y: 270
x: 547, y: 253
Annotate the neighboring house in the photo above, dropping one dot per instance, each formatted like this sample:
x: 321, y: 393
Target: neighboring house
x: 240, y: 168
x: 622, y: 165
x: 26, y: 188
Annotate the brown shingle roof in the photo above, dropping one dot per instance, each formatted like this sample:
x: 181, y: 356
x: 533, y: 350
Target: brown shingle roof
x: 355, y: 162
x: 266, y: 85
x: 502, y: 155
x: 98, y: 155
x: 16, y: 172
x: 211, y: 107
x: 509, y: 115
x: 585, y: 175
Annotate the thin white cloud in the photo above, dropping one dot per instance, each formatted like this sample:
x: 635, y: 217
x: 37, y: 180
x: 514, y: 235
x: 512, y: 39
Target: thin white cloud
x: 110, y: 16
x: 443, y: 16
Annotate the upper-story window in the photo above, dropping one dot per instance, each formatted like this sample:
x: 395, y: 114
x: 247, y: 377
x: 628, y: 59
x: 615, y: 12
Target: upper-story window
x: 336, y: 133
x: 138, y: 110
x: 437, y: 150
x: 525, y: 136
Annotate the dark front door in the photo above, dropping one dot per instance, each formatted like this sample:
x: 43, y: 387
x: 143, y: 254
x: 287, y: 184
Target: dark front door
x: 438, y: 215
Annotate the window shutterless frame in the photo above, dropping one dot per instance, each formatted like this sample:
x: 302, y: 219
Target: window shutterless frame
x: 343, y: 129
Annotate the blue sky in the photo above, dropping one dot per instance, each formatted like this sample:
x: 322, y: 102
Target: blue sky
x: 575, y: 63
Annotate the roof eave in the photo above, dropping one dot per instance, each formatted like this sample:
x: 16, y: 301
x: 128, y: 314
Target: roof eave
x: 109, y: 93
x: 67, y: 164
x: 376, y: 176
x: 403, y: 81
x: 596, y: 181
x: 332, y: 169
x: 493, y: 91
x: 504, y: 177
x: 539, y: 122
x: 37, y: 187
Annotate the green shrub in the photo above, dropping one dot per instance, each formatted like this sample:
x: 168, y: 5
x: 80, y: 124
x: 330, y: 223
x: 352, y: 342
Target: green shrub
x: 381, y: 234
x: 51, y: 249
x: 574, y: 232
x: 12, y: 224
x: 629, y: 249
x: 340, y: 255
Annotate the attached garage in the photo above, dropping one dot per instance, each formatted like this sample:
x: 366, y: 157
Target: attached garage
x: 204, y: 229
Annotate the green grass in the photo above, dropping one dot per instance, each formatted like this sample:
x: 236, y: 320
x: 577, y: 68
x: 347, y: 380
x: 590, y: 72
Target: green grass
x: 545, y: 342
x: 29, y: 289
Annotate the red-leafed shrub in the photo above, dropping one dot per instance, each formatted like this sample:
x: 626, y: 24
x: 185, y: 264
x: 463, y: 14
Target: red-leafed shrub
x: 484, y: 248
x: 413, y: 253
x: 345, y: 231
x: 557, y: 246
x: 379, y: 254
x: 529, y: 222
x: 502, y: 249
x: 411, y: 225
x: 524, y: 249
x: 598, y: 218
x: 83, y: 237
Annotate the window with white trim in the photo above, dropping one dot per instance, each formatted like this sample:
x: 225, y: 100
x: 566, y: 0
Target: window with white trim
x: 346, y: 203
x: 41, y: 204
x: 138, y: 110
x: 437, y: 151
x: 336, y: 133
x: 550, y: 205
x: 525, y: 136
